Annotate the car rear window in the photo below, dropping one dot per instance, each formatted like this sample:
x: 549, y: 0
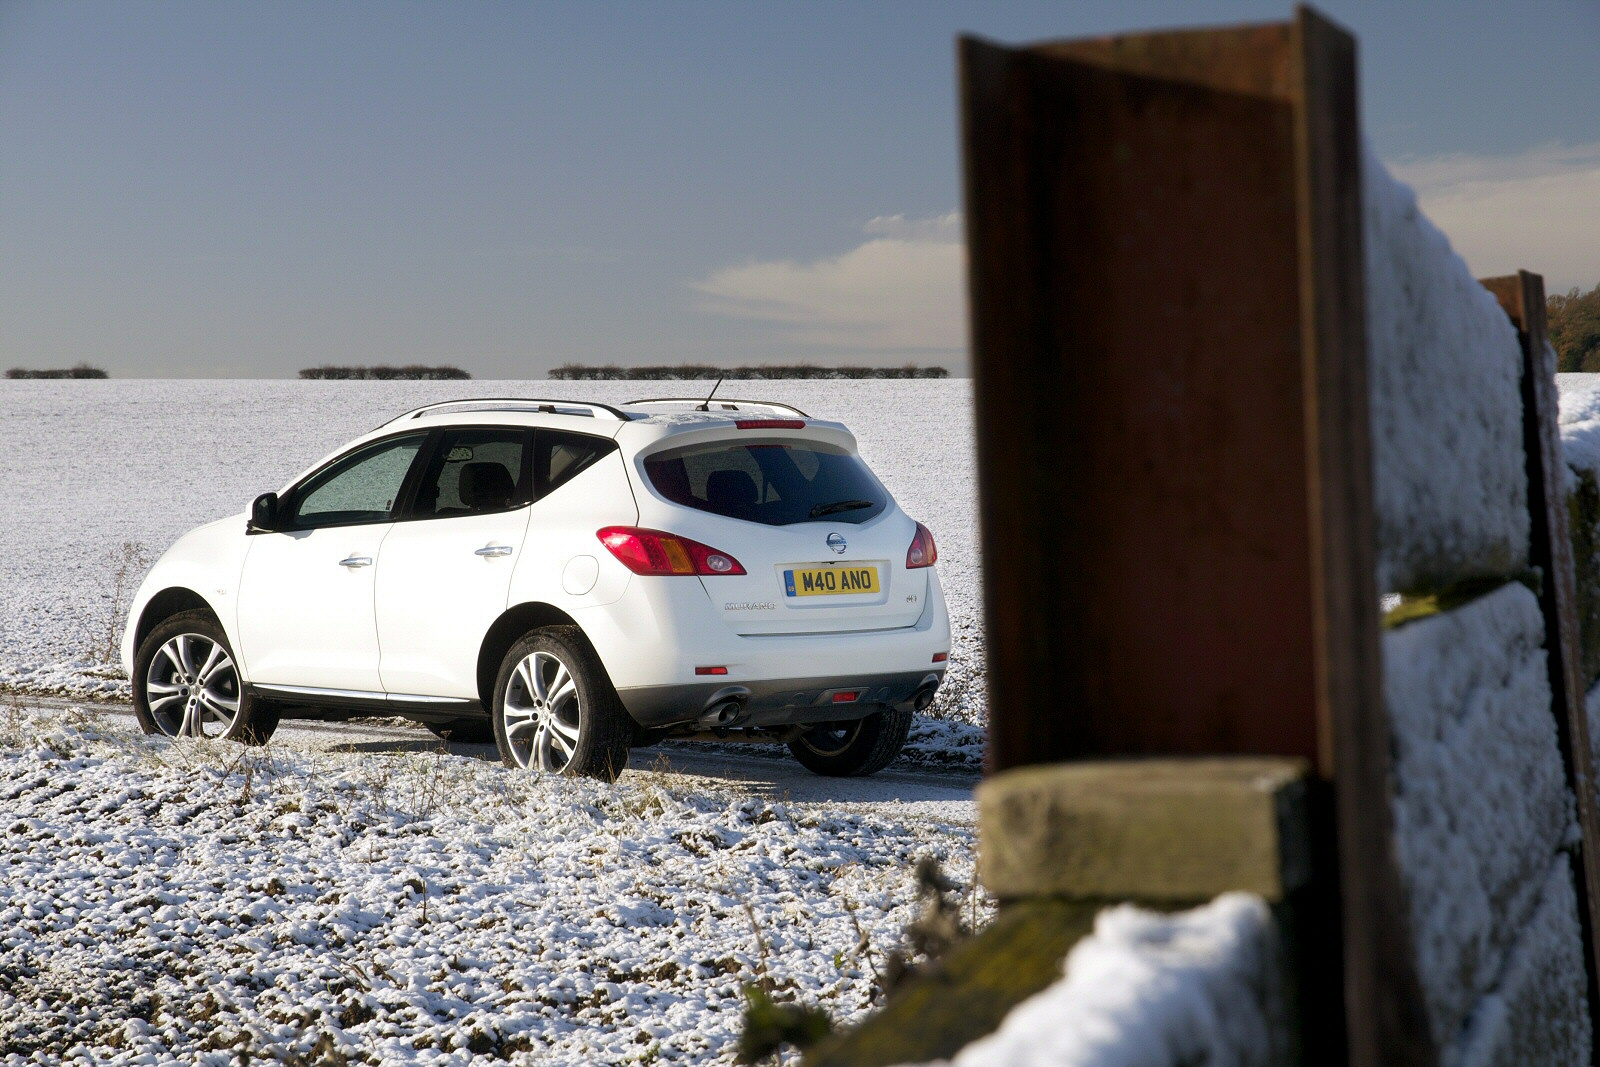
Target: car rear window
x: 775, y: 482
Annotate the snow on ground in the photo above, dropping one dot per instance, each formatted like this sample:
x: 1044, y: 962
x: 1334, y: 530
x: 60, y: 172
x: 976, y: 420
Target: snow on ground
x: 1147, y: 989
x: 95, y: 465
x: 206, y: 903
x: 1580, y: 421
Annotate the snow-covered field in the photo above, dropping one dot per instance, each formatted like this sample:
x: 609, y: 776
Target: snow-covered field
x: 206, y: 903
x: 93, y: 466
x: 377, y: 900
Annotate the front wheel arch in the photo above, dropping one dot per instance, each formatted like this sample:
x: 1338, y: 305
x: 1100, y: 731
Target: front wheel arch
x: 173, y: 600
x: 252, y: 720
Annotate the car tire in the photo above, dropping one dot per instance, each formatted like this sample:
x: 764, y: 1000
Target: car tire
x: 465, y: 731
x: 854, y: 748
x: 186, y: 684
x: 555, y: 709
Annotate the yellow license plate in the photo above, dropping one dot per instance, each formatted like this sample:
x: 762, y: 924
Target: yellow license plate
x: 830, y: 581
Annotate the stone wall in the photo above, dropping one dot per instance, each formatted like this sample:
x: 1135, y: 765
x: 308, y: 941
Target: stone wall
x: 1484, y: 820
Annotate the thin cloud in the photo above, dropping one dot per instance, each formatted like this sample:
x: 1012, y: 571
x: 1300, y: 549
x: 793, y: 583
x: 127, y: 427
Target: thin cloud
x: 1537, y: 211
x: 938, y: 228
x: 900, y: 292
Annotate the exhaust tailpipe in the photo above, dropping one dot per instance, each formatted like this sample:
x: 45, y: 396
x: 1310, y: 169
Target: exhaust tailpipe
x: 721, y: 715
x: 923, y: 698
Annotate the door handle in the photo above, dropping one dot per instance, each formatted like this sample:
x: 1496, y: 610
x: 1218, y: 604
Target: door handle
x: 493, y: 550
x: 356, y: 561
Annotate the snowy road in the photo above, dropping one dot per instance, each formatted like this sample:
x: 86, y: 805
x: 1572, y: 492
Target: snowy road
x: 940, y: 796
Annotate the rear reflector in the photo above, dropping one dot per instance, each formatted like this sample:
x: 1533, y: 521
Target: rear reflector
x: 845, y: 698
x: 770, y: 424
x: 940, y: 657
x: 711, y: 670
x: 652, y: 552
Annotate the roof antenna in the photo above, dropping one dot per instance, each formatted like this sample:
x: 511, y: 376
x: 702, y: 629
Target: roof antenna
x: 705, y: 405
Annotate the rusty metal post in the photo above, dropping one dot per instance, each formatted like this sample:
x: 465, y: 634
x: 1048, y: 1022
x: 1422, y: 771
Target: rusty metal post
x: 1168, y: 315
x: 1521, y: 295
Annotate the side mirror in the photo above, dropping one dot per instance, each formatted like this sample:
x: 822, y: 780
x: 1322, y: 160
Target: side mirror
x: 263, y: 514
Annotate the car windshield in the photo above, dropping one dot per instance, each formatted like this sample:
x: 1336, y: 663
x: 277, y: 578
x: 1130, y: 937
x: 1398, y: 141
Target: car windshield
x: 775, y: 482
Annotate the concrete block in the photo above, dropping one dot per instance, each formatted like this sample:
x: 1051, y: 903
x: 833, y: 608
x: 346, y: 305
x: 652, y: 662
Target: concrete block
x: 1160, y: 831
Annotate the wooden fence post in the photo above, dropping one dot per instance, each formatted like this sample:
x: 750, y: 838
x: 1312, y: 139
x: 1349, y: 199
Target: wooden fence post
x: 1168, y: 315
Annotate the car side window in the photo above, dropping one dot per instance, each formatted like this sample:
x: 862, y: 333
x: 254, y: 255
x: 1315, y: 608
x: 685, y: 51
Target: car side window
x: 559, y: 457
x: 474, y: 470
x: 362, y: 487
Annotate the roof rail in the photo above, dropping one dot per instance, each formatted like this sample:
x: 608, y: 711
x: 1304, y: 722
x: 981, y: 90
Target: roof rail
x: 515, y: 403
x: 702, y: 404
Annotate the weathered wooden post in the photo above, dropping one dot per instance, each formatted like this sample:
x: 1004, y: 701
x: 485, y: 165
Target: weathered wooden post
x: 1168, y: 340
x: 1177, y: 494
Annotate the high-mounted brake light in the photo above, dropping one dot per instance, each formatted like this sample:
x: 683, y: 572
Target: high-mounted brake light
x: 770, y: 424
x: 652, y: 552
x: 923, y: 552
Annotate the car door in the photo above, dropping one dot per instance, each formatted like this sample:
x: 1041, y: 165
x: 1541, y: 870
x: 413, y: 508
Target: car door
x: 444, y: 573
x: 306, y: 596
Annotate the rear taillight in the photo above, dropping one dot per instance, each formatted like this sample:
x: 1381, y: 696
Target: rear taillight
x: 770, y: 424
x: 652, y: 552
x: 923, y: 552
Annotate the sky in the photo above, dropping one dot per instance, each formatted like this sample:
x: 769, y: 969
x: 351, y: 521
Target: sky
x: 200, y: 189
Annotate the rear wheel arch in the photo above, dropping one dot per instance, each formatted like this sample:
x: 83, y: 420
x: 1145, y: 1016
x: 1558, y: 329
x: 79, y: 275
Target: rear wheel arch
x: 506, y: 631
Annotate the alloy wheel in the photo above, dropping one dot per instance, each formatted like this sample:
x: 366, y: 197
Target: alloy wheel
x: 543, y: 713
x: 192, y: 687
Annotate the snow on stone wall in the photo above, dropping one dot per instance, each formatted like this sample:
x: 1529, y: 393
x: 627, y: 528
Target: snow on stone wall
x: 1482, y: 814
x: 1484, y: 819
x: 1536, y: 1013
x: 1450, y: 490
x: 1146, y: 990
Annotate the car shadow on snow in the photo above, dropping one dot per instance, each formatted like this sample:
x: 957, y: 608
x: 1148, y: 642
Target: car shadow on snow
x: 759, y: 772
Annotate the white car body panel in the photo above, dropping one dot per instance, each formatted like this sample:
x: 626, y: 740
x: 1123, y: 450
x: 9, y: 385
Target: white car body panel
x: 436, y: 597
x: 305, y: 619
x: 206, y: 561
x: 561, y: 540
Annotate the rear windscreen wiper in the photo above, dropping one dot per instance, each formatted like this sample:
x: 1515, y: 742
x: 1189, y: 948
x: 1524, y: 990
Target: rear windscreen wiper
x: 839, y: 505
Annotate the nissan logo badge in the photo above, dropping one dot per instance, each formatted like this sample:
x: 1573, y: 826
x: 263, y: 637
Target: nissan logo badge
x: 837, y: 543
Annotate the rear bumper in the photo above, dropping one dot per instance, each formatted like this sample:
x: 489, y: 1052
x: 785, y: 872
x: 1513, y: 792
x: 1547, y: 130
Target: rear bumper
x: 782, y: 702
x: 662, y: 629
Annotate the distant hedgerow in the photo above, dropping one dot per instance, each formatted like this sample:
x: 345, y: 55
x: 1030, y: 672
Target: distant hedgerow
x: 1574, y: 322
x: 79, y: 370
x: 411, y: 372
x: 706, y: 372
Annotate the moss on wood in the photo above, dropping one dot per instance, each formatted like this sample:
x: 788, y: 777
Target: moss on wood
x: 1459, y: 594
x: 966, y: 994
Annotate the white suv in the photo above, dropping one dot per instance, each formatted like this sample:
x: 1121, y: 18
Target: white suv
x: 570, y: 578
